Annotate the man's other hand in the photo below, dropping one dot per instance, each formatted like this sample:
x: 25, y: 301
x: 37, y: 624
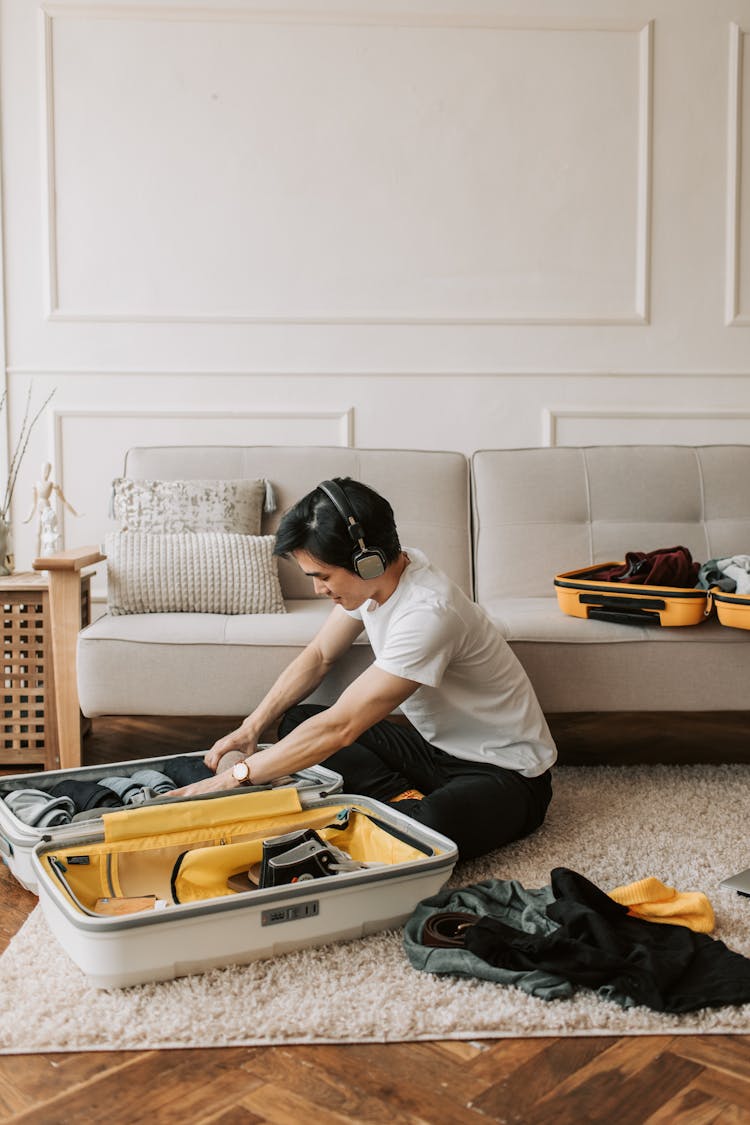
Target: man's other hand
x: 239, y: 741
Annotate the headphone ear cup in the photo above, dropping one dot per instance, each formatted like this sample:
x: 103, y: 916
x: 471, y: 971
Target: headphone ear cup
x: 370, y: 563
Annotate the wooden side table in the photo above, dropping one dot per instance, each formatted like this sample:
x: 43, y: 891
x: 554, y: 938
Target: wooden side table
x: 33, y: 671
x: 28, y: 723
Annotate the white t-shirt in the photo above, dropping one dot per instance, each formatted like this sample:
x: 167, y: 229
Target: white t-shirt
x: 475, y: 700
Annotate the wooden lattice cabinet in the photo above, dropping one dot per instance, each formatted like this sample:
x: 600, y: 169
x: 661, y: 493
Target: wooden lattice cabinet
x: 28, y: 725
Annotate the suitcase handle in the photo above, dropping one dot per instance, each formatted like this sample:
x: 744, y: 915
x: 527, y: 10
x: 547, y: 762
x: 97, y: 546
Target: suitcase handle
x: 623, y: 617
x: 619, y: 603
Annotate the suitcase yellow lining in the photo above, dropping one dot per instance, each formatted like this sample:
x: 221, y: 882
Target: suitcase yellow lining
x: 141, y: 846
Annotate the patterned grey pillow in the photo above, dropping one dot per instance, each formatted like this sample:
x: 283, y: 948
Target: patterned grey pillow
x: 191, y: 572
x: 189, y: 505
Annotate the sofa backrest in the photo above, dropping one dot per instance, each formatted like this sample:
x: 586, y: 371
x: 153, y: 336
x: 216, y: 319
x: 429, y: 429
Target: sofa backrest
x: 538, y: 512
x: 429, y: 491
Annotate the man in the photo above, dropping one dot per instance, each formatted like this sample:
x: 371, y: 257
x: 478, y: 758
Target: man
x: 474, y: 762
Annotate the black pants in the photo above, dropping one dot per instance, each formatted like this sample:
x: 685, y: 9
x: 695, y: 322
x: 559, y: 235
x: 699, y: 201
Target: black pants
x: 478, y: 805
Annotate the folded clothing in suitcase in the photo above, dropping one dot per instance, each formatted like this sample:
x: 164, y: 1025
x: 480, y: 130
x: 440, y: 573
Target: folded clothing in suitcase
x: 587, y: 593
x: 153, y: 893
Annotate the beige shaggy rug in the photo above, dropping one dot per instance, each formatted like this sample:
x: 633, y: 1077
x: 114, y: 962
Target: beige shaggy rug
x: 687, y: 825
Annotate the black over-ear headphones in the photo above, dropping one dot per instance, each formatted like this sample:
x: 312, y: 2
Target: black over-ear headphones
x: 368, y: 562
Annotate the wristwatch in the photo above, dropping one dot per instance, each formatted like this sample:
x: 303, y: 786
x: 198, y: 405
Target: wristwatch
x: 241, y: 773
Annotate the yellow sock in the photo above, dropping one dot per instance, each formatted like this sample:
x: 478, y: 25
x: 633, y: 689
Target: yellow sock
x: 651, y: 900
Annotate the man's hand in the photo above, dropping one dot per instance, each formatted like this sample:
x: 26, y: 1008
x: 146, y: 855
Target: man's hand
x: 218, y: 784
x: 240, y: 740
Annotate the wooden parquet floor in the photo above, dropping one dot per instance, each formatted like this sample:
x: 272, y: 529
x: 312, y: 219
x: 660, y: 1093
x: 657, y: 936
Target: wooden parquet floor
x: 644, y: 1080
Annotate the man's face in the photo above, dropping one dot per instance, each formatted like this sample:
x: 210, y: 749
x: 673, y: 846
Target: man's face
x: 334, y: 582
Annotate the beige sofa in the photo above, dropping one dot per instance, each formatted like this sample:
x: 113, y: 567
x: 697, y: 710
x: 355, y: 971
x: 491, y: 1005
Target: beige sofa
x: 535, y: 513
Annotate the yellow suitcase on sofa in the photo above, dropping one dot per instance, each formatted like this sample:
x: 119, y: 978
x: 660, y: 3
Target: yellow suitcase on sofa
x: 732, y: 609
x: 579, y: 594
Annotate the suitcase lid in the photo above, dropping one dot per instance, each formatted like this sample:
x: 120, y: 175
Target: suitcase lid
x: 719, y: 595
x: 313, y: 783
x: 585, y: 578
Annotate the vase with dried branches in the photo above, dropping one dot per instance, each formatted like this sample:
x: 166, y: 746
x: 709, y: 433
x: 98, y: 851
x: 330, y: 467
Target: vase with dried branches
x: 27, y: 426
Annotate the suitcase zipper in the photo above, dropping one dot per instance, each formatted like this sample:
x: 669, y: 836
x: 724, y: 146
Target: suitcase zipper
x: 59, y: 870
x: 630, y: 588
x: 110, y: 883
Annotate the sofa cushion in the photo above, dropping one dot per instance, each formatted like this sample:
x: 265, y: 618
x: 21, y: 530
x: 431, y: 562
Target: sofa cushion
x: 541, y: 620
x: 200, y: 663
x: 579, y: 665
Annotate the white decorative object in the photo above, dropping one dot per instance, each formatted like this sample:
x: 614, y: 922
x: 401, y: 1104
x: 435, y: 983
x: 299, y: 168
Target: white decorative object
x: 27, y: 425
x: 192, y: 572
x: 48, y: 537
x: 190, y: 505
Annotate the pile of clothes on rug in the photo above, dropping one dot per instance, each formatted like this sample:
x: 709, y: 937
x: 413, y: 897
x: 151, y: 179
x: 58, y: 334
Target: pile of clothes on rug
x: 641, y: 944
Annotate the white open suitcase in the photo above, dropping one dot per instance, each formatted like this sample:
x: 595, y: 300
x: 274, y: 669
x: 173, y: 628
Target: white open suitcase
x: 191, y: 856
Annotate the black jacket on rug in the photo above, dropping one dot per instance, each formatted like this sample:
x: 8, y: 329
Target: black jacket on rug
x: 666, y: 967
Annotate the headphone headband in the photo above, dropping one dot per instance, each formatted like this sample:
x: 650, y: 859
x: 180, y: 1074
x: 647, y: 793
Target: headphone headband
x: 368, y: 562
x: 340, y: 501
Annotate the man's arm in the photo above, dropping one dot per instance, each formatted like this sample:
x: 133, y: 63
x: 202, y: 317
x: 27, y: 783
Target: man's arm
x: 372, y: 697
x: 305, y: 673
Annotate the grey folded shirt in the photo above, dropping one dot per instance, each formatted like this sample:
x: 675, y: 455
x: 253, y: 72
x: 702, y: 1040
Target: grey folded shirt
x: 151, y: 779
x: 40, y: 810
x: 139, y: 787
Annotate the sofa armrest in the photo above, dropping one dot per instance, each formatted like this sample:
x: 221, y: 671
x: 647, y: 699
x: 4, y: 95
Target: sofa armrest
x: 64, y: 570
x: 73, y: 560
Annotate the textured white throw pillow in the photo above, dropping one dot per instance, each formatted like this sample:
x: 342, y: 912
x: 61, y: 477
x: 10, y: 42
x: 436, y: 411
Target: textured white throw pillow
x: 189, y: 505
x: 193, y: 572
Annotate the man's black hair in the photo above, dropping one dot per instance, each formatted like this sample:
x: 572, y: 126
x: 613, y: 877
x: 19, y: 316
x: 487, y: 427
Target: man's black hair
x: 314, y: 525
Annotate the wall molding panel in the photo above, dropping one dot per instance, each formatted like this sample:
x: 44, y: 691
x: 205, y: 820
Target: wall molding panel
x: 439, y: 284
x: 186, y: 427
x: 364, y: 373
x: 646, y: 425
x: 735, y: 314
x: 107, y: 434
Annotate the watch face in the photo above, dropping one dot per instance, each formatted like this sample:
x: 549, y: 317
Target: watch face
x: 241, y: 771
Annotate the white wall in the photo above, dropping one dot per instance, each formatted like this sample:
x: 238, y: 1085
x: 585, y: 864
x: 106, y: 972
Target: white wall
x: 438, y: 225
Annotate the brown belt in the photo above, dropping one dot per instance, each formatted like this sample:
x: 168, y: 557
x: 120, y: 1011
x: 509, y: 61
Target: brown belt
x: 447, y: 929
